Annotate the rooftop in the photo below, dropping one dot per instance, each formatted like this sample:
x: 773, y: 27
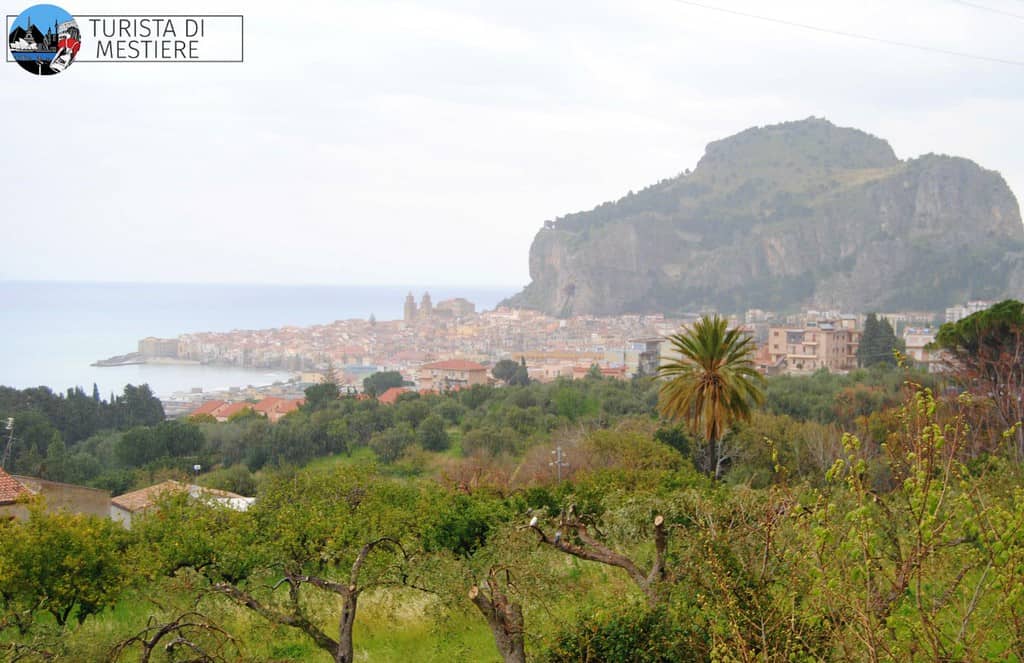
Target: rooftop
x: 455, y: 365
x: 390, y: 396
x: 11, y: 489
x: 208, y: 407
x: 144, y: 498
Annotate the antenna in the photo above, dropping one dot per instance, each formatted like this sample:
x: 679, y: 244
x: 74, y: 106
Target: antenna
x: 559, y: 461
x: 9, y: 427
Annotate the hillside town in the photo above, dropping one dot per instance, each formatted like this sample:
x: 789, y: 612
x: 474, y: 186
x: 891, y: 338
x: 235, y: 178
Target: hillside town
x: 449, y: 345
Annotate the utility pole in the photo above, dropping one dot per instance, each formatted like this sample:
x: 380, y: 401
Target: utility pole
x: 559, y: 461
x: 9, y: 427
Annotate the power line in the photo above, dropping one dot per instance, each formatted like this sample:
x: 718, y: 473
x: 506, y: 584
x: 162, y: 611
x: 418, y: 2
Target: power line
x: 989, y: 9
x: 851, y: 35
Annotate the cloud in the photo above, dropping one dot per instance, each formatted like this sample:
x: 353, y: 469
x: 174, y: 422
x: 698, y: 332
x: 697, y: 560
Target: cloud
x: 392, y: 142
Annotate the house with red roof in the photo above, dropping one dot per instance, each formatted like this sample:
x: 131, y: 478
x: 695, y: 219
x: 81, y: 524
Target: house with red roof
x: 618, y: 372
x: 130, y: 505
x: 225, y: 413
x: 57, y: 496
x: 274, y: 408
x: 390, y: 396
x: 13, y: 494
x: 209, y: 407
x: 450, y: 374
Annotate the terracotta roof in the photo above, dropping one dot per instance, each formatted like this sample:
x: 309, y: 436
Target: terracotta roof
x: 207, y: 408
x: 391, y: 395
x: 268, y: 404
x: 11, y: 489
x: 140, y: 500
x: 233, y: 409
x: 272, y: 405
x: 286, y: 406
x: 455, y: 365
x: 147, y: 497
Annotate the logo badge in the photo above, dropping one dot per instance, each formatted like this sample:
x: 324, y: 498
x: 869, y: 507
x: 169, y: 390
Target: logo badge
x: 44, y: 40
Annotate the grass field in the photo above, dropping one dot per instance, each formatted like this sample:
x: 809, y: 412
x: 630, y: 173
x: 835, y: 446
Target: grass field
x: 393, y: 625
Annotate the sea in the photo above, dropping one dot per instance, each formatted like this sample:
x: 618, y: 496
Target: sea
x: 50, y: 332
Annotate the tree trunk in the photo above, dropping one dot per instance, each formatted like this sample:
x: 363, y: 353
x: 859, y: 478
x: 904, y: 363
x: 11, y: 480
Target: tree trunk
x: 712, y: 464
x: 506, y: 622
x: 348, y: 618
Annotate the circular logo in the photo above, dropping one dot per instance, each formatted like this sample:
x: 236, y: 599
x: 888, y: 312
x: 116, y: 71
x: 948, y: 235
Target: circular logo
x: 44, y: 40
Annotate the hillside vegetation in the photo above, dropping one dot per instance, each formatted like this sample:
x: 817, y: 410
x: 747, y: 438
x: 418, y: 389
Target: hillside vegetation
x: 866, y: 517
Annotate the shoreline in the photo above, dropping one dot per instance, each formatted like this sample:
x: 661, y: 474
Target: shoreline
x: 135, y: 359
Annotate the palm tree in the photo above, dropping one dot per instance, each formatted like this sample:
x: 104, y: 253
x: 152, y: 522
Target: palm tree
x: 712, y: 383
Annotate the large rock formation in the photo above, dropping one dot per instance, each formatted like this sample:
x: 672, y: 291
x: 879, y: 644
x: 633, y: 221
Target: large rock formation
x: 796, y: 214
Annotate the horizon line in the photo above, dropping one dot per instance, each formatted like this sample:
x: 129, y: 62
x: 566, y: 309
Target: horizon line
x: 492, y: 286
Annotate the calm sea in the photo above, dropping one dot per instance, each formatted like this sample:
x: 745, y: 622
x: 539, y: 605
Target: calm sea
x: 51, y: 332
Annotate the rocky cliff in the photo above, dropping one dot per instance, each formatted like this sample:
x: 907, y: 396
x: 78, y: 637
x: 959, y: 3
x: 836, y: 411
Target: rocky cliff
x: 797, y: 214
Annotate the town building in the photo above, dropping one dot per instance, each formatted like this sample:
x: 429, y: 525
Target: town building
x: 158, y: 347
x: 16, y: 492
x: 808, y: 349
x: 209, y: 408
x: 917, y: 341
x: 390, y: 395
x: 959, y: 312
x: 13, y: 495
x: 648, y: 354
x: 68, y: 497
x: 230, y: 410
x: 274, y: 408
x: 409, y: 309
x: 445, y: 375
x: 549, y: 371
x: 124, y: 508
x: 618, y: 372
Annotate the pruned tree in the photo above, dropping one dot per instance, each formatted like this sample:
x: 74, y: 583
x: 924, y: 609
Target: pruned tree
x: 292, y: 612
x: 573, y: 537
x: 503, y: 614
x: 191, y: 632
x: 340, y: 534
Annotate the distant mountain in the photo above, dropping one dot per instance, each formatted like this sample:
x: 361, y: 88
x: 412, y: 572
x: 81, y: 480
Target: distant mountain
x: 796, y: 214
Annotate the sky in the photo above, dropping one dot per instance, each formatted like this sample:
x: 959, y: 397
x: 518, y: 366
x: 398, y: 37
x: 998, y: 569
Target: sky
x: 384, y: 142
x: 42, y: 17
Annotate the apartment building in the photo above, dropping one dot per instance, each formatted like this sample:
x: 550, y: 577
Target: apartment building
x: 450, y: 374
x: 826, y: 345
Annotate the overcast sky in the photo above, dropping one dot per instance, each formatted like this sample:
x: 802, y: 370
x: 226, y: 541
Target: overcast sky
x: 426, y: 142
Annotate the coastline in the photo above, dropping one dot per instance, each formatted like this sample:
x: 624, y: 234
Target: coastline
x: 135, y: 359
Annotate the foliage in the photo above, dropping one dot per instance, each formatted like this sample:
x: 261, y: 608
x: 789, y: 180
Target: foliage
x: 877, y: 343
x: 390, y: 444
x: 378, y: 383
x: 70, y: 566
x: 504, y: 369
x: 991, y: 330
x: 431, y: 434
x: 320, y: 396
x: 621, y: 633
x: 985, y: 353
x: 40, y: 415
